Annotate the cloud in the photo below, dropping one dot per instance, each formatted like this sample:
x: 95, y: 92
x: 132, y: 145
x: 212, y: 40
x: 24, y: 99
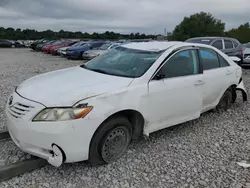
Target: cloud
x: 145, y: 16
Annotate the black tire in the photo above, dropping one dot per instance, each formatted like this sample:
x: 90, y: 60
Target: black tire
x: 103, y: 149
x: 226, y: 100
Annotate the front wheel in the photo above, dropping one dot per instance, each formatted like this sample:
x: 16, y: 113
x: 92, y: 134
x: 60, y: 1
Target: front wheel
x: 110, y: 141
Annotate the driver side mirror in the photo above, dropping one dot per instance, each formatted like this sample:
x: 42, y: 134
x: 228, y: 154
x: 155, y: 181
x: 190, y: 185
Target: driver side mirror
x: 159, y: 76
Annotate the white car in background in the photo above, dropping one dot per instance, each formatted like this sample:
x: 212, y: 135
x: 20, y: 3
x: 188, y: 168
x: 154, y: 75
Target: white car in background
x: 90, y: 54
x: 247, y: 53
x: 91, y: 112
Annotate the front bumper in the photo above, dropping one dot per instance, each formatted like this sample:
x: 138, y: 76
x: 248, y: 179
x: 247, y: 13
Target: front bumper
x: 88, y: 56
x: 241, y: 87
x: 247, y: 59
x: 62, y: 53
x: 73, y: 54
x: 57, y: 142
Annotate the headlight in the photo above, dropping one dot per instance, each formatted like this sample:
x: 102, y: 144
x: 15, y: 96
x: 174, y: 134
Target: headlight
x: 62, y: 114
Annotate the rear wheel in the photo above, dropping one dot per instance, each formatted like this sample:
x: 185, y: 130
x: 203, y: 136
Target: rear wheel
x: 226, y: 100
x: 110, y: 141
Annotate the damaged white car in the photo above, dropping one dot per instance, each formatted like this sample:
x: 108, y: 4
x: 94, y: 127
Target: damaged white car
x: 91, y: 112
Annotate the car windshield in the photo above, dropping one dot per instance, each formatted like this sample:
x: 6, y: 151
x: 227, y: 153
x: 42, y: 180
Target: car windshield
x: 50, y: 42
x: 105, y: 46
x: 123, y: 62
x: 77, y: 44
x: 57, y: 42
x: 201, y: 41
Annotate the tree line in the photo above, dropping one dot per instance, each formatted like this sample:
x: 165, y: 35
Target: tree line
x: 196, y: 25
x: 31, y: 34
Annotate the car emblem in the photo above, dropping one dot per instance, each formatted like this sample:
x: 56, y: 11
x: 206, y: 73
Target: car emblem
x: 11, y: 100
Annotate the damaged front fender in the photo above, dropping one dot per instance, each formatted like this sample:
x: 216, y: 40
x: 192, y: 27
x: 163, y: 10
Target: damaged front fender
x: 242, y: 88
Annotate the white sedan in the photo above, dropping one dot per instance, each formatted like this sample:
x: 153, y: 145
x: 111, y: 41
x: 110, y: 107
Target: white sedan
x: 91, y: 112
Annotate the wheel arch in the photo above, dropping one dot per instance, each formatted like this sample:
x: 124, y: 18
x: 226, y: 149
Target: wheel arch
x: 134, y: 117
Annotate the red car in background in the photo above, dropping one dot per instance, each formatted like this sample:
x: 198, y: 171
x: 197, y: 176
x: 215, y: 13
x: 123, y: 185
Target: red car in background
x: 54, y: 49
x: 46, y: 48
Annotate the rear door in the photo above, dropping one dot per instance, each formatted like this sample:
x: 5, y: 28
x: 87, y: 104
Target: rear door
x: 218, y: 75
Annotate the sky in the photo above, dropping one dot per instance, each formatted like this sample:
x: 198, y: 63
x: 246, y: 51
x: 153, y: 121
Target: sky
x: 124, y: 16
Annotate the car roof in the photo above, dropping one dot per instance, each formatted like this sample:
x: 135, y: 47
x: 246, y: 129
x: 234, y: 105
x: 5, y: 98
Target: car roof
x: 212, y: 38
x: 151, y: 46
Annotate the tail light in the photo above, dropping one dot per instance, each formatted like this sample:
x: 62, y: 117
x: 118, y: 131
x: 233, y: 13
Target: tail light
x: 241, y: 50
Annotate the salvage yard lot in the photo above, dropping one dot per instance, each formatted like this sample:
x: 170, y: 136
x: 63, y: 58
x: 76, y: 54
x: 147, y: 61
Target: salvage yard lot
x: 200, y: 153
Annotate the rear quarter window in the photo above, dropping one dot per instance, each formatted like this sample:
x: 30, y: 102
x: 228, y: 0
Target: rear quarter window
x: 235, y: 44
x: 228, y: 44
x: 223, y: 62
x: 209, y: 59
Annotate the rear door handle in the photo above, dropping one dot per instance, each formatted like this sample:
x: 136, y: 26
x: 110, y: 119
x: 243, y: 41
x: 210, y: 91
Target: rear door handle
x: 199, y: 82
x: 228, y: 72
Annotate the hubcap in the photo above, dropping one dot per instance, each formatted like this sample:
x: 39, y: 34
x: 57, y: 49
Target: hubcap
x: 115, y: 144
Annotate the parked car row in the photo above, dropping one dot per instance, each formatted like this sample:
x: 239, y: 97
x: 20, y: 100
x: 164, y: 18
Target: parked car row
x: 75, y: 49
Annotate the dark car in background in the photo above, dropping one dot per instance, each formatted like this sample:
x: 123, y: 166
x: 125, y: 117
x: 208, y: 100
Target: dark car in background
x: 40, y: 46
x: 6, y: 43
x: 76, y: 52
x: 35, y: 43
x: 18, y: 44
x: 230, y: 46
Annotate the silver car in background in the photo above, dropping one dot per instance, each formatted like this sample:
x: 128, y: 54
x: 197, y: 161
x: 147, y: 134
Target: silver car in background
x: 90, y: 54
x: 246, y: 53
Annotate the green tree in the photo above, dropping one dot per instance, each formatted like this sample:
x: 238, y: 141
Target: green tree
x: 242, y: 33
x: 198, y: 25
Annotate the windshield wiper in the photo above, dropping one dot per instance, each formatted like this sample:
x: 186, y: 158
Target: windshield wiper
x: 100, y: 71
x: 83, y: 66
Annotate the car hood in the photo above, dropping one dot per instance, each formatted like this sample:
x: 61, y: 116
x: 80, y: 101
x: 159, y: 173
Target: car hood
x: 47, y: 46
x: 64, y: 48
x: 95, y: 52
x: 68, y: 86
x: 57, y: 46
x: 78, y: 48
x: 247, y: 51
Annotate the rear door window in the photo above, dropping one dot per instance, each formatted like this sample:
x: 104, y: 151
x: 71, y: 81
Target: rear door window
x: 235, y: 44
x: 228, y: 44
x: 218, y: 44
x: 223, y: 62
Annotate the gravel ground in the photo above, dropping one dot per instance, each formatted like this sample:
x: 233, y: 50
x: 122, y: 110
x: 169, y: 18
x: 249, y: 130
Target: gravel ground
x: 199, y: 153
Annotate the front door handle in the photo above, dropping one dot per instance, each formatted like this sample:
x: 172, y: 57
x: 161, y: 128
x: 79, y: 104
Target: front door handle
x: 199, y: 82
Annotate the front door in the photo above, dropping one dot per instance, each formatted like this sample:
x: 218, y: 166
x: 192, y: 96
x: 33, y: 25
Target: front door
x: 175, y: 92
